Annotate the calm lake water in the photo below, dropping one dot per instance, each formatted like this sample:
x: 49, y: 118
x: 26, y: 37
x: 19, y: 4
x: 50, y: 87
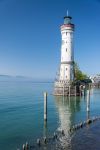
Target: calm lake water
x: 21, y: 116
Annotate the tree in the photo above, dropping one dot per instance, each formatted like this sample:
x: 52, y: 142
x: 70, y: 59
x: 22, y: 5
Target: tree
x: 79, y: 75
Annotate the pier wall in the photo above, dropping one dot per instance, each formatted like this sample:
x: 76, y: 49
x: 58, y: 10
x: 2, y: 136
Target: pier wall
x: 64, y: 89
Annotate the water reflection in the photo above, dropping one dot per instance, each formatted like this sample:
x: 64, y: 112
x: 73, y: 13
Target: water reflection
x: 88, y: 115
x: 67, y: 107
x: 88, y: 104
x: 45, y: 129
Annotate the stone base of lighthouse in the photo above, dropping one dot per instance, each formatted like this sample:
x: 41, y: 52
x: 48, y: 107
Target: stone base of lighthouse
x: 62, y: 88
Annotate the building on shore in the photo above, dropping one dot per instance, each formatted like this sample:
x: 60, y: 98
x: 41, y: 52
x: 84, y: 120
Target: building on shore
x: 95, y: 79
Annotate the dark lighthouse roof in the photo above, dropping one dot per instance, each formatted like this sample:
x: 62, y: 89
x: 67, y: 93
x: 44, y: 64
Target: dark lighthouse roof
x: 67, y: 19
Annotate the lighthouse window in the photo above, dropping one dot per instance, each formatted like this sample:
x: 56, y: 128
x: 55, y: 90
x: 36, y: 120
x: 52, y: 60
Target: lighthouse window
x: 66, y: 49
x: 66, y: 68
x: 66, y: 33
x: 66, y: 76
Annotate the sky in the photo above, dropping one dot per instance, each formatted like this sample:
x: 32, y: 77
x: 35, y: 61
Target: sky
x: 30, y: 38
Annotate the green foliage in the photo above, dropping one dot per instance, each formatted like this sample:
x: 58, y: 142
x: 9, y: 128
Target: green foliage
x: 79, y: 75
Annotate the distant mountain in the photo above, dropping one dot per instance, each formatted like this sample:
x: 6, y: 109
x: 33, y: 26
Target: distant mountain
x: 13, y: 78
x: 22, y: 78
x: 3, y: 75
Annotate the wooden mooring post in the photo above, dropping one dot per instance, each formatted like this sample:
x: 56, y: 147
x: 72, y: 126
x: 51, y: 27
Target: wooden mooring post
x: 69, y: 91
x: 80, y: 90
x: 84, y: 90
x: 75, y: 91
x: 45, y: 106
x: 63, y: 90
x: 88, y: 100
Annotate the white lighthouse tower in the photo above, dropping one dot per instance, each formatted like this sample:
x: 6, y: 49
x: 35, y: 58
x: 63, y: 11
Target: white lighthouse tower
x: 66, y: 72
x: 67, y: 51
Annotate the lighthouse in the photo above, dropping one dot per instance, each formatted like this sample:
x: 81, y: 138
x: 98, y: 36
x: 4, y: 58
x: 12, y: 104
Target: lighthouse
x: 66, y: 73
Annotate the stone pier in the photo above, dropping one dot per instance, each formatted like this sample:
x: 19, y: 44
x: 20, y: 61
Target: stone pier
x: 62, y: 88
